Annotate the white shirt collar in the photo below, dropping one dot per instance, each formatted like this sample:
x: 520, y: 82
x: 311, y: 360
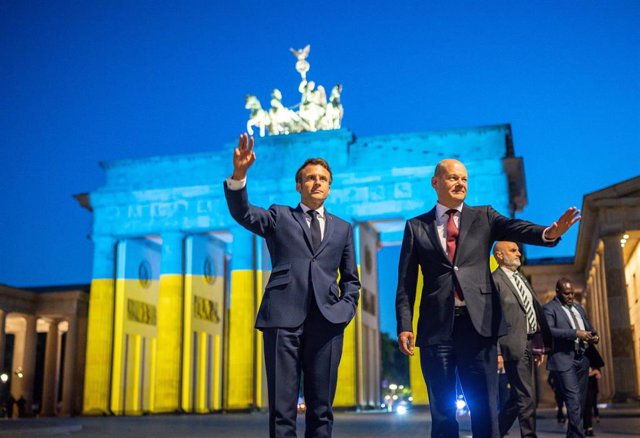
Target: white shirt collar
x: 320, y: 210
x: 441, y: 210
x: 508, y: 271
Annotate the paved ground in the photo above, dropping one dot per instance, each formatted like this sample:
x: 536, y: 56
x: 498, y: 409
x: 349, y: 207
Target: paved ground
x: 614, y: 423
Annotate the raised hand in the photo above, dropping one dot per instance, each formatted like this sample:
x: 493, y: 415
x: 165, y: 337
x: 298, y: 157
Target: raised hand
x: 566, y: 221
x: 243, y: 157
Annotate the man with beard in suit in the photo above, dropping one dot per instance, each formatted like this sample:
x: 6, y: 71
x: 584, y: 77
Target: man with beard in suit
x: 460, y: 314
x: 518, y: 353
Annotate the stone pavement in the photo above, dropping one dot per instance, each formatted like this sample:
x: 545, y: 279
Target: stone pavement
x: 614, y: 423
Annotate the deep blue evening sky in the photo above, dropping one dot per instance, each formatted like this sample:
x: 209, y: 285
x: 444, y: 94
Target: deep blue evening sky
x: 89, y: 81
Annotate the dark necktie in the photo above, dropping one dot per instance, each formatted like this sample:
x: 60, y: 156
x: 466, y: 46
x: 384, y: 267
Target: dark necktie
x: 316, y: 235
x: 452, y: 241
x: 581, y: 346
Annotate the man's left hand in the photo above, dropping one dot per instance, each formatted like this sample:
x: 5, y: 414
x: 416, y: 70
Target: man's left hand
x: 566, y: 221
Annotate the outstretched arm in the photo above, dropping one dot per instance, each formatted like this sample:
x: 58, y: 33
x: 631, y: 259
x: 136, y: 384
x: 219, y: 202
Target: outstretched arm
x: 566, y: 221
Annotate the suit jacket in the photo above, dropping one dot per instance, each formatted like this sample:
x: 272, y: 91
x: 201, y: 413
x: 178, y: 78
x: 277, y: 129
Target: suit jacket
x: 513, y: 345
x: 564, y: 336
x: 421, y: 247
x: 298, y: 272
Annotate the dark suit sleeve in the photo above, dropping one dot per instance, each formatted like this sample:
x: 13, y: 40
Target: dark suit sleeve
x: 516, y: 230
x: 349, y: 279
x: 407, y: 281
x: 558, y: 333
x: 255, y: 219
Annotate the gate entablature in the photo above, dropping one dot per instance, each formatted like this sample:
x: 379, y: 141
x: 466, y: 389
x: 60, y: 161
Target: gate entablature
x: 374, y: 178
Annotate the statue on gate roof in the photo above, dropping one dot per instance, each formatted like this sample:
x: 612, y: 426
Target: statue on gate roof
x: 314, y: 112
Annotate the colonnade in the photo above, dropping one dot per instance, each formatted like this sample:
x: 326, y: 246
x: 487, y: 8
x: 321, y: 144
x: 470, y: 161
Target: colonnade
x: 49, y: 346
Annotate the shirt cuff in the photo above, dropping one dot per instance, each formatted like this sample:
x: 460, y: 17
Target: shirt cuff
x: 544, y: 239
x: 235, y: 185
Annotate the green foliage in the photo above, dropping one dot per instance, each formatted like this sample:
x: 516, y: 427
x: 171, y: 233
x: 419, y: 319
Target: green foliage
x: 395, y: 365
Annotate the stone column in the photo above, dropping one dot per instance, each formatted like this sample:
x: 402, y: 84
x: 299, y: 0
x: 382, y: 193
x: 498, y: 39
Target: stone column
x: 50, y: 383
x: 29, y: 361
x: 97, y: 377
x: 3, y: 318
x: 170, y: 325
x: 623, y: 356
x: 241, y: 385
x: 81, y: 362
x: 69, y: 381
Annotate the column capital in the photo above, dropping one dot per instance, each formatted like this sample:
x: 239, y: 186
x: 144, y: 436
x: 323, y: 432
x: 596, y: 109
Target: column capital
x: 172, y: 252
x: 612, y: 236
x: 172, y: 234
x: 613, y: 254
x: 103, y: 255
x: 51, y: 321
x: 101, y: 240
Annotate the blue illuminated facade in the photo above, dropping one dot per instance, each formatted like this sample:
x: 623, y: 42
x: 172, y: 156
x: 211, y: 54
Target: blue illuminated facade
x: 176, y: 279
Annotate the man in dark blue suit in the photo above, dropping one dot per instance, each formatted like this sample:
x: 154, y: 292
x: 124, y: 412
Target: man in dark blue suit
x: 304, y: 309
x: 460, y: 314
x: 572, y: 333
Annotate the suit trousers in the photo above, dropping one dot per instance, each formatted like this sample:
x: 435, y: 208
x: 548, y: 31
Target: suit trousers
x: 313, y: 350
x: 473, y: 359
x: 573, y: 384
x: 521, y: 403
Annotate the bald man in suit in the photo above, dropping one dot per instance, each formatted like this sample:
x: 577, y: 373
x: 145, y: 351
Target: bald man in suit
x: 518, y: 351
x: 460, y: 313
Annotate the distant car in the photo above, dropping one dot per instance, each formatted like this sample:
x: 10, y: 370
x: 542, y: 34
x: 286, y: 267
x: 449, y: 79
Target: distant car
x: 302, y: 407
x: 402, y: 406
x: 462, y: 408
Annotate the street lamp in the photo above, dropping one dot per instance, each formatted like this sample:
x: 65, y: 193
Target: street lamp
x: 4, y: 377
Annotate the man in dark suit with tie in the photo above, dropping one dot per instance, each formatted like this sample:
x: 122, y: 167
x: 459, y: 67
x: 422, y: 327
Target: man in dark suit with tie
x: 572, y: 333
x: 460, y: 314
x: 304, y: 310
x: 521, y: 349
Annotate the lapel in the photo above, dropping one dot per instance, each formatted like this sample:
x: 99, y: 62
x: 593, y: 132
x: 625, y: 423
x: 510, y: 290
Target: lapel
x: 467, y: 218
x: 298, y: 214
x: 566, y: 317
x: 583, y: 316
x: 507, y: 280
x: 328, y: 231
x: 432, y: 231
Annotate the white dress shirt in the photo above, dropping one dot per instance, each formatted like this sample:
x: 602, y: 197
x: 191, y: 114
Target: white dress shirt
x: 321, y: 217
x: 569, y: 310
x: 442, y: 218
x: 573, y: 310
x: 441, y: 222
